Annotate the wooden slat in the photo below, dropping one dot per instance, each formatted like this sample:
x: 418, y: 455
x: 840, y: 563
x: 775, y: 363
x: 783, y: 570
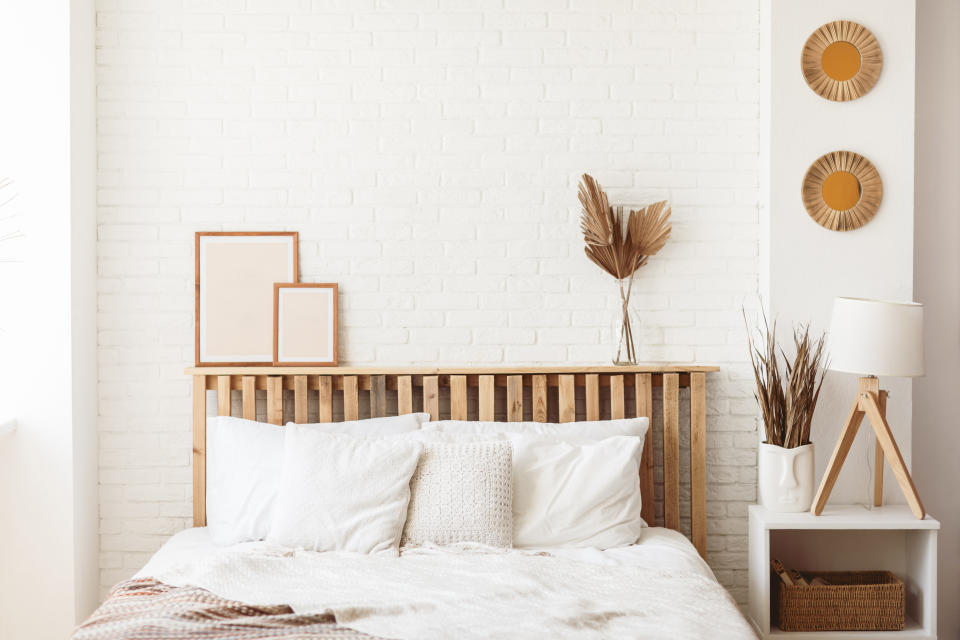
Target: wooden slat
x: 514, y: 398
x: 698, y: 462
x: 643, y: 387
x: 431, y: 396
x: 351, y: 398
x: 592, y: 392
x: 378, y: 396
x: 249, y: 397
x: 275, y: 400
x: 671, y: 451
x: 539, y: 397
x: 404, y: 395
x: 199, y: 451
x: 300, y: 402
x: 436, y: 371
x: 363, y: 380
x: 567, y: 398
x: 223, y: 395
x: 616, y: 398
x: 487, y: 392
x: 458, y: 397
x: 325, y: 406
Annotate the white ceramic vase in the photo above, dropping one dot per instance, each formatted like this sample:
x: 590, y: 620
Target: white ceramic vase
x: 785, y: 477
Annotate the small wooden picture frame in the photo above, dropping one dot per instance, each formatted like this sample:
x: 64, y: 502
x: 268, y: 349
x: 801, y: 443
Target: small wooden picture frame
x: 305, y: 324
x: 235, y: 273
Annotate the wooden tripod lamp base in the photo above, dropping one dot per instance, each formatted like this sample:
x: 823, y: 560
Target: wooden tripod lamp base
x: 871, y: 402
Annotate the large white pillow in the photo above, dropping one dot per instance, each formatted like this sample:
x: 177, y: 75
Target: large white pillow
x: 244, y: 460
x: 340, y: 493
x: 568, y: 491
x: 594, y: 429
x: 461, y: 492
x: 576, y: 493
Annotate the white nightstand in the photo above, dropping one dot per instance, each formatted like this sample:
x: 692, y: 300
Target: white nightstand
x: 853, y: 538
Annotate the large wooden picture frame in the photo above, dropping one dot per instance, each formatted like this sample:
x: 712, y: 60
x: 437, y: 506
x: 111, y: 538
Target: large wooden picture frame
x: 235, y: 274
x: 305, y: 324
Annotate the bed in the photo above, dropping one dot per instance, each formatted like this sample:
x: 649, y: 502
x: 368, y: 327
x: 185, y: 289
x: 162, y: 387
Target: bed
x: 658, y: 587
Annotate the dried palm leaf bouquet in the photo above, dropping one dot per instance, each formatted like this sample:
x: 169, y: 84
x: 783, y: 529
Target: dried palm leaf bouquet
x: 620, y: 242
x: 787, y: 394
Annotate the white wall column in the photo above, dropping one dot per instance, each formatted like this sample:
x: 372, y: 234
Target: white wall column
x: 48, y: 481
x: 807, y: 265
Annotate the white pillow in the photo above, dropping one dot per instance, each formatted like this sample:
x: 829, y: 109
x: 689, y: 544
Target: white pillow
x: 568, y: 491
x: 576, y: 493
x: 461, y: 493
x: 244, y: 460
x: 340, y: 493
x: 595, y: 429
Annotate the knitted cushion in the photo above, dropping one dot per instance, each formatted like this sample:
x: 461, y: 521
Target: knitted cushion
x: 461, y: 492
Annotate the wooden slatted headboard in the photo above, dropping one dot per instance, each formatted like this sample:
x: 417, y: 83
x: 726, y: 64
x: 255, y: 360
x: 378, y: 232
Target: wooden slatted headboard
x: 349, y: 386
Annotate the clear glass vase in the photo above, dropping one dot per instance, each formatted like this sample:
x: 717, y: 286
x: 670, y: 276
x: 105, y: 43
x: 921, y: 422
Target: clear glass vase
x: 625, y: 327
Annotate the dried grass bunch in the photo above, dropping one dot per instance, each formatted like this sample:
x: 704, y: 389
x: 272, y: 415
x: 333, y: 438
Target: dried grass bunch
x: 620, y: 242
x: 787, y: 394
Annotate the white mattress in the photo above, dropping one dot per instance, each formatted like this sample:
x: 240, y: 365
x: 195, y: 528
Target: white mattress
x: 658, y: 548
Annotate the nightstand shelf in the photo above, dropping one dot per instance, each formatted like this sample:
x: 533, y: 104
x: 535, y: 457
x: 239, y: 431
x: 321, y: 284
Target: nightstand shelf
x: 847, y: 538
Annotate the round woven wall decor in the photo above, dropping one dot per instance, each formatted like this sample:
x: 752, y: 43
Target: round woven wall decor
x: 842, y: 191
x: 841, y: 60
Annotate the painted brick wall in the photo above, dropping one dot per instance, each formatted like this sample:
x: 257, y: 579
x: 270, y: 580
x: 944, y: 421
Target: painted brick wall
x: 428, y: 152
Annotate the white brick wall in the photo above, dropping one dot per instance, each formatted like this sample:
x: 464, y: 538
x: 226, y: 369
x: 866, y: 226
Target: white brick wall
x: 428, y: 153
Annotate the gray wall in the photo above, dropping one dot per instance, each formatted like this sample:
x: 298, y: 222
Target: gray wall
x: 936, y: 437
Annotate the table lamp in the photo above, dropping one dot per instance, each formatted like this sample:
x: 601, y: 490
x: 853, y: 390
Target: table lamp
x: 874, y: 338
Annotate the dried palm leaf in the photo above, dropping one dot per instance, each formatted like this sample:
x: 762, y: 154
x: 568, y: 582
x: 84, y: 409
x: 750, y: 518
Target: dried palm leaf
x: 650, y: 228
x: 617, y: 241
x: 596, y: 220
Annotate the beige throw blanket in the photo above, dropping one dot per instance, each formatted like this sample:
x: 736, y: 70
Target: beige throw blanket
x: 473, y: 593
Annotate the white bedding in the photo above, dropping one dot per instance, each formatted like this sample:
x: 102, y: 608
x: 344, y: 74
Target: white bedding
x: 657, y: 548
x: 657, y: 588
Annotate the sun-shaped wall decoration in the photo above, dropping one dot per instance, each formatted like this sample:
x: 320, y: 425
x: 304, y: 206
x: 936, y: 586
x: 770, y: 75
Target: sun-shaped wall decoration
x: 841, y: 60
x: 842, y: 191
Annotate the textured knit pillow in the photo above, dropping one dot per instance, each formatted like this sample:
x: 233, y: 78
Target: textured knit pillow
x: 461, y: 492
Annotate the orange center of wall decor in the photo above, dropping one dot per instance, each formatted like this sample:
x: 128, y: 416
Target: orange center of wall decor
x: 841, y: 190
x: 840, y: 61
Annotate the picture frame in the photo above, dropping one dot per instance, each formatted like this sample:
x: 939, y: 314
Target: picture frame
x: 234, y: 276
x: 305, y: 324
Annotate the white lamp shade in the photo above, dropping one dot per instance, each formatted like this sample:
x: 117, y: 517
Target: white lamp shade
x: 872, y: 337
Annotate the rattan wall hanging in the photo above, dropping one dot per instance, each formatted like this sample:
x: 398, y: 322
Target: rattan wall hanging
x: 841, y: 60
x: 842, y: 191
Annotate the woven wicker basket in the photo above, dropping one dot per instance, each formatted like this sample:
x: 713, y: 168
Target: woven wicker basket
x: 853, y: 601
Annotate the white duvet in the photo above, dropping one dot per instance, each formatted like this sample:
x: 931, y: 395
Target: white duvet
x: 655, y: 589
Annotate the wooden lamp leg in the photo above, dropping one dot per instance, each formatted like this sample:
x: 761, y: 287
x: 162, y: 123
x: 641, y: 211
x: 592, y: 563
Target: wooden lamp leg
x: 871, y: 405
x: 870, y: 402
x: 878, y: 456
x: 839, y: 455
